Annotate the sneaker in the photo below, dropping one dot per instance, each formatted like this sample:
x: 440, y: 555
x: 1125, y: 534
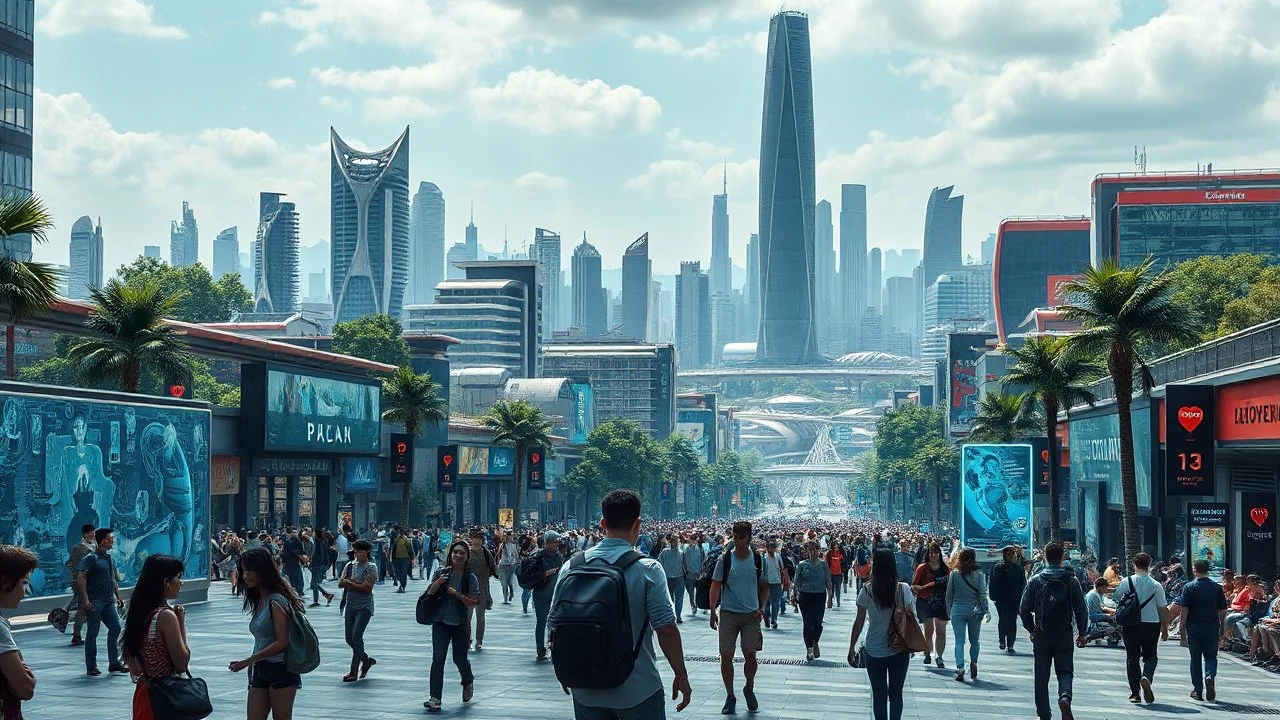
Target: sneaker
x: 960, y: 675
x: 1135, y: 699
x: 93, y: 671
x: 432, y: 705
x: 938, y: 661
x: 1210, y: 690
x: 1195, y: 695
x: 77, y: 642
x: 1064, y: 705
x: 928, y: 659
x: 816, y: 652
x: 730, y: 706
x: 314, y: 605
x: 365, y: 664
x: 1147, y: 693
x: 117, y: 668
x: 752, y: 703
x: 468, y: 692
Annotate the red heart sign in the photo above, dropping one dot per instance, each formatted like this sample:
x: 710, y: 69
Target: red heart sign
x: 177, y: 390
x: 536, y: 457
x: 448, y: 460
x: 1044, y: 455
x: 1190, y: 417
x: 1259, y: 515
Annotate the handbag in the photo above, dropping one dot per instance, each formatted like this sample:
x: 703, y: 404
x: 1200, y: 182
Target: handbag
x: 179, y: 697
x: 858, y: 658
x: 429, y: 604
x: 905, y: 634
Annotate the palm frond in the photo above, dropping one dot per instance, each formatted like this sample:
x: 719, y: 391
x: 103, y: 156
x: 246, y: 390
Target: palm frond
x: 25, y: 216
x: 27, y: 288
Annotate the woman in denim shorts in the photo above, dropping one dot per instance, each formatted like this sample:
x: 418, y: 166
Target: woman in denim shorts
x: 269, y: 600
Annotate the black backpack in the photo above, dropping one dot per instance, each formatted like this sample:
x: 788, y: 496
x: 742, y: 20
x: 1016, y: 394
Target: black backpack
x: 532, y: 575
x: 1053, y: 609
x: 702, y: 595
x: 1128, y: 611
x: 592, y: 646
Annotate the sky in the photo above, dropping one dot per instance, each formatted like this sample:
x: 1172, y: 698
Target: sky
x: 618, y: 117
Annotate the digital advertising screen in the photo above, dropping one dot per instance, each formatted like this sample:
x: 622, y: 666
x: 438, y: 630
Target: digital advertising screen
x: 319, y: 414
x: 698, y: 426
x: 995, y: 482
x: 361, y: 475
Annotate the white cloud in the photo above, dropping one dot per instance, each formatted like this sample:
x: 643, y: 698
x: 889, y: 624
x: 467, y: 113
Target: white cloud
x: 129, y: 17
x: 281, y: 83
x: 547, y: 102
x: 697, y: 149
x: 667, y: 45
x: 431, y: 77
x: 397, y: 108
x: 687, y: 178
x: 334, y: 103
x: 539, y: 182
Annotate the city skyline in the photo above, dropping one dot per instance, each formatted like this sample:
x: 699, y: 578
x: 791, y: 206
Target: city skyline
x: 946, y: 119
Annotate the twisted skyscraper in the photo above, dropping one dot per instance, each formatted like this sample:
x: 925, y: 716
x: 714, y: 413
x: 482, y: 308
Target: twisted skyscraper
x: 787, y: 332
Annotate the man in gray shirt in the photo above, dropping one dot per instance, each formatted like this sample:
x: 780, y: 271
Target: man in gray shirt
x: 693, y: 556
x: 740, y: 591
x: 100, y: 597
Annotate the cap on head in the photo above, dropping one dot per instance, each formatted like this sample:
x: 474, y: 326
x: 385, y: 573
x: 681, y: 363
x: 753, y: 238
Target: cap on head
x: 551, y: 536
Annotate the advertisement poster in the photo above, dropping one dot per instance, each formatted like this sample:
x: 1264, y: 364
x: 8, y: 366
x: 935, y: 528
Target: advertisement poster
x: 963, y: 350
x: 1189, y: 442
x: 698, y: 426
x: 1091, y: 518
x: 506, y: 518
x: 1040, y: 455
x: 309, y: 413
x: 224, y: 475
x: 1095, y: 454
x: 361, y: 475
x: 401, y: 458
x: 1207, y: 525
x: 446, y: 468
x: 61, y: 467
x: 995, y: 481
x: 485, y: 460
x: 584, y: 412
x: 1258, y: 533
x: 345, y: 517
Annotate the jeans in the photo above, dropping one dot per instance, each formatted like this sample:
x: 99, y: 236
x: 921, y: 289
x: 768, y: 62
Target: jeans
x: 356, y: 622
x: 541, y: 609
x: 317, y: 589
x: 1007, y: 623
x: 836, y: 584
x: 1203, y: 644
x: 887, y: 676
x: 1058, y: 651
x: 506, y: 580
x: 1140, y: 645
x: 402, y: 566
x: 675, y: 588
x: 966, y: 620
x: 776, y: 600
x: 443, y: 636
x: 691, y: 587
x: 104, y: 613
x: 652, y: 708
x: 293, y: 573
x: 813, y: 606
x: 524, y: 599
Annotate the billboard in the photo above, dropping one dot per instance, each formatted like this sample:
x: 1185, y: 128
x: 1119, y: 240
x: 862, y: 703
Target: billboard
x: 584, y: 412
x: 140, y: 469
x: 1056, y: 295
x: 1095, y: 453
x: 698, y: 426
x: 224, y: 475
x: 1207, y: 525
x: 314, y: 413
x: 1257, y: 518
x: 1189, y: 425
x: 963, y: 351
x: 486, y: 460
x: 361, y: 475
x: 995, y: 482
x: 446, y: 468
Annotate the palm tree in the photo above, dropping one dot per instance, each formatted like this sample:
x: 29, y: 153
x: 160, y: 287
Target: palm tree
x: 413, y: 401
x: 1003, y: 418
x: 517, y: 423
x: 129, y: 335
x: 1056, y: 376
x: 26, y: 288
x: 1122, y: 311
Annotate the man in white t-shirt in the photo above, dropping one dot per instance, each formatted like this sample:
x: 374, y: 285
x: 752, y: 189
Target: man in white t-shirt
x: 1141, y: 640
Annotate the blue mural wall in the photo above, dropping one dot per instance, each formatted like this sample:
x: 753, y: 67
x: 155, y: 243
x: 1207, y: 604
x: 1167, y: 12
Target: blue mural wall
x: 140, y: 469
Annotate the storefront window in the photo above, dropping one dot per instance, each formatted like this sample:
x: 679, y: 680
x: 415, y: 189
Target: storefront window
x: 1095, y: 454
x: 306, y: 500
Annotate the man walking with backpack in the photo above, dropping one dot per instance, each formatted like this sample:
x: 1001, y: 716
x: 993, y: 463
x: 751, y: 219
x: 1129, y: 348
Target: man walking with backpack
x: 611, y: 590
x: 1050, y: 604
x: 538, y: 575
x: 740, y: 591
x: 1143, y: 618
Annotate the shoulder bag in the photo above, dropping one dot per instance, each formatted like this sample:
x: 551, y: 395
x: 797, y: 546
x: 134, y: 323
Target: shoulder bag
x: 905, y: 634
x: 981, y: 605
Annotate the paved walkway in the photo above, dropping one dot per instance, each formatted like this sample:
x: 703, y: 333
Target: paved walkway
x: 511, y: 685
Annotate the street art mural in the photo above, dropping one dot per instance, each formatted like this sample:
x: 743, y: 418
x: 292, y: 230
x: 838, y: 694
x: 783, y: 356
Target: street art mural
x: 140, y: 469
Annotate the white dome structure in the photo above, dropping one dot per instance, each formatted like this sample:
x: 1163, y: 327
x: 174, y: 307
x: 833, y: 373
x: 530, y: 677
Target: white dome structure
x: 876, y: 359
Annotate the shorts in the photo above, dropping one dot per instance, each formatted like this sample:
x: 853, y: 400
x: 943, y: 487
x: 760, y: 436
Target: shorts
x: 733, y: 625
x: 926, y: 612
x: 266, y: 675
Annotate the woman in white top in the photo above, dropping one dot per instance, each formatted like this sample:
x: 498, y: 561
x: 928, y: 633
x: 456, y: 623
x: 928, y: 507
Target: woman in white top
x: 19, y: 684
x: 886, y: 665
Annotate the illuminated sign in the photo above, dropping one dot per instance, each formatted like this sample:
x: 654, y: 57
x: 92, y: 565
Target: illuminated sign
x: 401, y: 458
x: 446, y: 468
x: 537, y: 469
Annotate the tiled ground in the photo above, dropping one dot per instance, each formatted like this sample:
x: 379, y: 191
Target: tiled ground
x: 511, y: 685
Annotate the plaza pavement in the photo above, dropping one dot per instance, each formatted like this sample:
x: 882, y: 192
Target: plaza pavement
x: 509, y: 684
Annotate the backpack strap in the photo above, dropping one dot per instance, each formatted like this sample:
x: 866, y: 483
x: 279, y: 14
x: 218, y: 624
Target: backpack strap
x: 624, y: 561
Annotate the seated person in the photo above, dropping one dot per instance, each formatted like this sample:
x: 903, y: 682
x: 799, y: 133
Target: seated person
x: 1102, y: 613
x: 1240, y: 606
x: 1264, y: 638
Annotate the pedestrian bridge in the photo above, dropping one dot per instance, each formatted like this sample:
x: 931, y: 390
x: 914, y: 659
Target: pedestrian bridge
x: 831, y: 372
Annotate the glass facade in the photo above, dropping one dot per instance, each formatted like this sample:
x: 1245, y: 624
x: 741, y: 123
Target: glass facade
x: 1095, y: 454
x: 1025, y: 259
x: 17, y: 80
x: 1173, y: 233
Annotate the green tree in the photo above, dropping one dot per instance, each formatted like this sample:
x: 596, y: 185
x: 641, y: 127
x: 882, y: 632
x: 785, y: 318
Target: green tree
x: 129, y: 335
x: 1121, y: 310
x: 413, y: 401
x: 624, y: 456
x: 1003, y: 418
x: 424, y: 501
x: 938, y: 460
x: 1207, y: 285
x: 523, y: 426
x: 1058, y: 377
x: 202, y: 300
x: 59, y: 369
x: 1260, y: 305
x: 26, y: 288
x: 372, y: 337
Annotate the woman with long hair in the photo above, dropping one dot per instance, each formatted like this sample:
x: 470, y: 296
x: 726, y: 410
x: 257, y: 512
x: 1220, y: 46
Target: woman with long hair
x: 967, y: 604
x: 811, y: 586
x: 155, y: 634
x: 886, y: 665
x: 358, y: 578
x: 269, y: 600
x: 232, y: 548
x: 929, y: 583
x: 19, y: 683
x: 451, y: 627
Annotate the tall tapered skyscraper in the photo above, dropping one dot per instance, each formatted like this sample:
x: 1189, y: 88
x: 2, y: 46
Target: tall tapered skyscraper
x: 635, y: 290
x: 369, y: 227
x: 86, y: 258
x: 787, y: 283
x: 942, y: 221
x: 875, y: 279
x: 276, y: 274
x: 546, y: 250
x: 853, y: 262
x: 427, y: 231
x: 589, y: 304
x: 184, y: 239
x: 826, y: 310
x: 721, y: 264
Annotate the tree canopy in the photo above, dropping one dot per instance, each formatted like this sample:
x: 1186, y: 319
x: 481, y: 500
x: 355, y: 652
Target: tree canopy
x: 372, y: 337
x: 202, y: 299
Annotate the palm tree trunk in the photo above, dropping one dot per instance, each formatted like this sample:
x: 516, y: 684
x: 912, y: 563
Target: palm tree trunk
x: 1120, y: 365
x: 1051, y: 422
x: 130, y: 377
x: 518, y: 486
x: 9, y: 338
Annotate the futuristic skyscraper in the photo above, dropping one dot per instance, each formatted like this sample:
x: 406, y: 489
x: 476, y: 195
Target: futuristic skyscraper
x: 276, y: 274
x: 369, y: 226
x: 428, y: 242
x: 787, y: 332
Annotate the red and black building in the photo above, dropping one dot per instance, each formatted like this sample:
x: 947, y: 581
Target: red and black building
x: 1032, y: 257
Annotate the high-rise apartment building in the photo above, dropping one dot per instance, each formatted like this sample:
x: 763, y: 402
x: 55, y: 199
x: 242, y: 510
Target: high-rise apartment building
x: 226, y: 252
x: 630, y: 381
x: 988, y: 250
x: 184, y: 239
x: 724, y: 323
x: 1033, y: 256
x: 958, y: 300
x: 546, y: 251
x: 276, y: 270
x: 874, y: 283
x: 85, y: 271
x: 693, y: 316
x: 751, y: 288
x: 525, y: 272
x: 17, y: 25
x: 721, y: 264
x: 826, y: 305
x: 635, y: 290
x: 318, y: 287
x: 490, y: 317
x: 942, y: 221
x: 589, y: 304
x: 787, y: 332
x: 872, y: 329
x: 426, y: 232
x: 369, y: 228
x: 853, y: 261
x: 900, y: 304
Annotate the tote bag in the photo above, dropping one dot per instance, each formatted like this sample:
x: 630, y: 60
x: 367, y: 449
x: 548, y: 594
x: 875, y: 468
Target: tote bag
x: 905, y: 634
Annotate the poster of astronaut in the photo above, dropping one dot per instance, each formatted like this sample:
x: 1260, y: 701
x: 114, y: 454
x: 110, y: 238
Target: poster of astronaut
x: 995, y: 481
x: 140, y: 469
